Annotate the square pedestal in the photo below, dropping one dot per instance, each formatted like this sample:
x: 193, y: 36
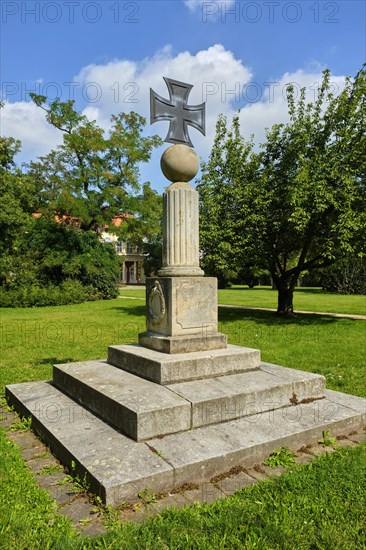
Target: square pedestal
x: 178, y: 306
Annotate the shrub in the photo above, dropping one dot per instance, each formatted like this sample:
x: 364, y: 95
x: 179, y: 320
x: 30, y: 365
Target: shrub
x: 55, y: 255
x: 345, y: 277
x: 69, y: 292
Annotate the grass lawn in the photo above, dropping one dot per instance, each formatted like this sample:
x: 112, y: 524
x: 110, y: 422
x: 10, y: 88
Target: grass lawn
x: 320, y: 505
x: 305, y: 299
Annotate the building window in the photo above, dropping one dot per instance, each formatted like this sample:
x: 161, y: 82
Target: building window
x: 119, y: 247
x: 133, y: 249
x: 130, y: 248
x: 107, y: 240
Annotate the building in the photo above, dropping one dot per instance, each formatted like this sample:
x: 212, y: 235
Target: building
x: 132, y: 258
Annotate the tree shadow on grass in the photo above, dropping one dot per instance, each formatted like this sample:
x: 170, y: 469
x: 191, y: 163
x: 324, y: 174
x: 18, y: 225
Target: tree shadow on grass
x: 270, y: 318
x: 232, y: 315
x: 53, y: 361
x: 131, y: 310
x: 284, y: 338
x: 302, y: 290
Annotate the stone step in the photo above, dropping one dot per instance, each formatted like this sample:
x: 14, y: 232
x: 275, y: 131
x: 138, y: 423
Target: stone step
x: 225, y: 398
x: 142, y: 409
x: 118, y: 467
x: 169, y: 369
x: 205, y: 452
x: 137, y: 407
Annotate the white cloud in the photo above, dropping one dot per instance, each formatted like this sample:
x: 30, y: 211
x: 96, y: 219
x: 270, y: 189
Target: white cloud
x: 271, y: 106
x: 27, y: 122
x: 195, y: 5
x: 124, y: 85
x: 224, y: 82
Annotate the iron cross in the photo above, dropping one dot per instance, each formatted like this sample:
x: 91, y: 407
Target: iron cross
x: 176, y: 110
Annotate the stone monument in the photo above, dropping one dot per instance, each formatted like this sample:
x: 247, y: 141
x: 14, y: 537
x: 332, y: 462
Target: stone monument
x: 182, y: 405
x: 181, y: 303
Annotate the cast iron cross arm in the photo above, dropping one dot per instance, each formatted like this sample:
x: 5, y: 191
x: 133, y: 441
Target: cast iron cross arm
x: 177, y: 112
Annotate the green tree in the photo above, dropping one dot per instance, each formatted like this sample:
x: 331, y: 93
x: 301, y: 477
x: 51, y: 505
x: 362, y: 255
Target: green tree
x: 146, y: 225
x: 300, y: 202
x: 78, y: 189
x: 56, y: 252
x: 17, y: 201
x: 92, y: 176
x: 348, y: 276
x: 219, y: 202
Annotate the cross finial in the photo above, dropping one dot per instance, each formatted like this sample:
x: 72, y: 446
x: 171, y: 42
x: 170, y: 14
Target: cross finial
x: 176, y: 110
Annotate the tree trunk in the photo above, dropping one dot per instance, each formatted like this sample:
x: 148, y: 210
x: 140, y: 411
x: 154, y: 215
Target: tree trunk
x: 285, y: 301
x: 285, y: 288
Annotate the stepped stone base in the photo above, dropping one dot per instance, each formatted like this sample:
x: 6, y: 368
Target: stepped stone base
x: 136, y: 407
x: 118, y: 467
x: 147, y: 419
x: 163, y: 368
x: 142, y: 409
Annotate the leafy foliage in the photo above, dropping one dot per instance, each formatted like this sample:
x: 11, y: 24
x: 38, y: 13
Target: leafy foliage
x: 280, y: 457
x: 327, y: 440
x: 76, y: 190
x: 154, y: 256
x: 68, y: 292
x: 300, y: 202
x: 345, y: 277
x: 17, y: 201
x: 92, y: 176
x: 59, y: 261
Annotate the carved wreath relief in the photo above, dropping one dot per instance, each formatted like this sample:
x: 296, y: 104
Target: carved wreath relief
x: 156, y: 303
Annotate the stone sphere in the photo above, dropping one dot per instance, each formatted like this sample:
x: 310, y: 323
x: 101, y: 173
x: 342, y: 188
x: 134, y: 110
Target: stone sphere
x: 179, y: 163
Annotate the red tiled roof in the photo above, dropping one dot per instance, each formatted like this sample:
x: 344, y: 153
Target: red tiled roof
x: 116, y: 220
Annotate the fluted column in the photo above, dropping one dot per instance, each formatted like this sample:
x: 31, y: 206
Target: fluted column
x: 180, y: 232
x: 180, y: 164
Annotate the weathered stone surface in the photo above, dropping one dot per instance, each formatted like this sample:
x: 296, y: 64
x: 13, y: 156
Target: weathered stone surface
x: 117, y: 467
x: 171, y: 501
x: 177, y: 306
x: 182, y: 344
x: 303, y: 458
x: 204, y: 452
x: 62, y: 493
x: 238, y: 395
x: 346, y: 400
x: 234, y: 483
x: 142, y: 409
x: 344, y: 443
x: 358, y: 437
x: 168, y: 369
x: 137, y: 407
x: 258, y: 474
x: 180, y: 232
x: 207, y: 493
x: 179, y: 163
x: 305, y: 385
x: 318, y: 450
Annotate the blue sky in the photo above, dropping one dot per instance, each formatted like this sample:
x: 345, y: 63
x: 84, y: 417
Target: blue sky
x: 107, y: 54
